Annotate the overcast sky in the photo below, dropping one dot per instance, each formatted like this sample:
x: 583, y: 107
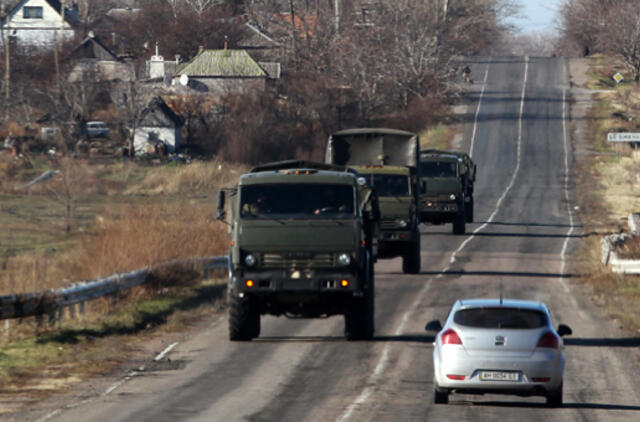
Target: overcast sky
x: 537, y: 15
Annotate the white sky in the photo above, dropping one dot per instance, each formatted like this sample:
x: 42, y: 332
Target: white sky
x: 537, y: 15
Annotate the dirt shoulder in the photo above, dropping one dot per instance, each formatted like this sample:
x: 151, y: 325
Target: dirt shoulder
x: 602, y: 184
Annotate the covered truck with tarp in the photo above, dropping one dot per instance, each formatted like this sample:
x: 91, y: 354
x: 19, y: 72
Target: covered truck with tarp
x: 388, y: 160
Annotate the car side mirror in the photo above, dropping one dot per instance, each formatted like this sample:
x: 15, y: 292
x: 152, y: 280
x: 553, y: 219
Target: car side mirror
x: 222, y: 201
x: 434, y: 325
x: 564, y: 330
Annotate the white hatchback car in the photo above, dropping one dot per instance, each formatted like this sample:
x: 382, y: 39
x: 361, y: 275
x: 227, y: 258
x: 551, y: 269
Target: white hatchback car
x: 501, y: 347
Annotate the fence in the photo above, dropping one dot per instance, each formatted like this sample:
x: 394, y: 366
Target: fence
x: 51, y: 302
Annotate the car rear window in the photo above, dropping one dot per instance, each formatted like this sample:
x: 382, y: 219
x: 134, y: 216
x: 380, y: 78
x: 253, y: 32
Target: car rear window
x: 500, y: 318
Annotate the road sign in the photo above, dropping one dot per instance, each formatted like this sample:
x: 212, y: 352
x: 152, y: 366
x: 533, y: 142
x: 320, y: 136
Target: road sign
x: 623, y: 137
x: 618, y: 77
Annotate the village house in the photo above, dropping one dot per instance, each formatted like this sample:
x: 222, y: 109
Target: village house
x: 158, y: 129
x: 93, y: 62
x: 38, y: 23
x: 221, y: 72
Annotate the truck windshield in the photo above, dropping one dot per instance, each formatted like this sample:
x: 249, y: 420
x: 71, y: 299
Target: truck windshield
x: 438, y: 169
x: 389, y: 184
x: 304, y: 200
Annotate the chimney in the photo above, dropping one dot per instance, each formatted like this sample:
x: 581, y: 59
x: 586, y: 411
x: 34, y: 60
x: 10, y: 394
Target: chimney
x: 156, y: 66
x: 226, y: 43
x: 200, y: 49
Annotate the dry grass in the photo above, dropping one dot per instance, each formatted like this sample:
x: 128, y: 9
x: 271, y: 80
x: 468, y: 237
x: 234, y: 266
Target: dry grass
x: 438, y: 136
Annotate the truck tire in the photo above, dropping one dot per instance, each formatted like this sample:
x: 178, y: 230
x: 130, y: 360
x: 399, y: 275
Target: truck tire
x: 359, y: 317
x: 411, y: 261
x: 459, y: 226
x: 468, y: 211
x: 244, y: 319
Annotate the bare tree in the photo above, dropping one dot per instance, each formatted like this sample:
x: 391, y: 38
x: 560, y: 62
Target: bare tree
x: 623, y: 38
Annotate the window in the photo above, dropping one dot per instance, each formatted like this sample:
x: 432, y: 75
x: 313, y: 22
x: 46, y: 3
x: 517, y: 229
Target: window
x: 500, y: 318
x: 32, y: 12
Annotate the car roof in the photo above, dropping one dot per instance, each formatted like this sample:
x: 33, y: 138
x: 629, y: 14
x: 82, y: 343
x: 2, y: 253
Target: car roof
x: 497, y: 302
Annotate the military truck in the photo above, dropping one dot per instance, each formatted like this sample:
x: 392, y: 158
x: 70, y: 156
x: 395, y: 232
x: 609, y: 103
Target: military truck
x: 303, y: 245
x: 388, y: 160
x: 446, y: 188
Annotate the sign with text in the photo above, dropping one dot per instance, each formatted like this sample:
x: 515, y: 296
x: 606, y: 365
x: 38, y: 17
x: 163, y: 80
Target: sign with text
x: 623, y: 137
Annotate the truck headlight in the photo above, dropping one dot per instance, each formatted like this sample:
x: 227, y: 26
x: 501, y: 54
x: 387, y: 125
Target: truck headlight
x: 452, y: 197
x: 402, y: 223
x: 250, y: 260
x: 344, y: 259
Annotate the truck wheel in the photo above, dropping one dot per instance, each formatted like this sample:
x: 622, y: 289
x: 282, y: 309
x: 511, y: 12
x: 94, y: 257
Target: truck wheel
x: 359, y: 317
x: 468, y: 211
x: 244, y: 319
x: 459, y: 223
x: 411, y: 261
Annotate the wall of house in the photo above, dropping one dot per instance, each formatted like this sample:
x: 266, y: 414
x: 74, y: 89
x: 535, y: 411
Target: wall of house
x: 145, y: 137
x: 38, y: 32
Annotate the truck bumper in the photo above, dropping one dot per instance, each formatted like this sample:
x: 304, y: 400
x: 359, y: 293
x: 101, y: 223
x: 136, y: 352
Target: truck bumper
x: 439, y: 212
x: 394, y: 243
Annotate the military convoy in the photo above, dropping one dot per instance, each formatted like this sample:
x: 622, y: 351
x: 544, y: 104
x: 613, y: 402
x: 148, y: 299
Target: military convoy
x: 388, y: 160
x: 303, y: 244
x: 446, y: 188
x: 305, y: 235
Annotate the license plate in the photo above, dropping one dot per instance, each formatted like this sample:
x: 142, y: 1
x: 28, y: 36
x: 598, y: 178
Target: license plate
x: 499, y: 376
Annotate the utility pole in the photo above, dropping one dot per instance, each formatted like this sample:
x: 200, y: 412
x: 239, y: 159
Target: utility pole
x: 6, y: 38
x: 336, y: 10
x: 58, y: 42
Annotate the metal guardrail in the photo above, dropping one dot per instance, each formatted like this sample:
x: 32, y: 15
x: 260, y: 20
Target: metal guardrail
x: 49, y: 301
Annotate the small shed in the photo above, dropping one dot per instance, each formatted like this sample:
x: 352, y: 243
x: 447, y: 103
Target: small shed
x: 159, y: 129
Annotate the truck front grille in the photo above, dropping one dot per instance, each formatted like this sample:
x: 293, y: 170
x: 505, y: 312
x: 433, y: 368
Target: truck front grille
x: 320, y: 260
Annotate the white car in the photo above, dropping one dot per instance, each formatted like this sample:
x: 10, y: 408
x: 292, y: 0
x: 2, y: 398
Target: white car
x: 500, y: 347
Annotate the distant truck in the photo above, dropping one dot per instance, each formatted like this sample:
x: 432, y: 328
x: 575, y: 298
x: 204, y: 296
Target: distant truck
x: 303, y: 245
x: 446, y: 188
x: 388, y: 160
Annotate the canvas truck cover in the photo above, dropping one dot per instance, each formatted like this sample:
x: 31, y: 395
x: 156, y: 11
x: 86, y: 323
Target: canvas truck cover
x: 364, y: 147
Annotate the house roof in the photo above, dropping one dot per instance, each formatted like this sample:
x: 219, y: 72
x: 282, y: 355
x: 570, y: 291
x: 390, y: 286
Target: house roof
x: 159, y: 114
x: 223, y: 63
x: 92, y: 48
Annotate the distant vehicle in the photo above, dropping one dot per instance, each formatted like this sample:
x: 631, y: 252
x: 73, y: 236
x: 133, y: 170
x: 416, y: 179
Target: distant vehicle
x: 446, y: 188
x: 97, y: 129
x: 498, y: 346
x: 388, y: 160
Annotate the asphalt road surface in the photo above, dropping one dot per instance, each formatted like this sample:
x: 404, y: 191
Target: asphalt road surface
x: 517, y: 130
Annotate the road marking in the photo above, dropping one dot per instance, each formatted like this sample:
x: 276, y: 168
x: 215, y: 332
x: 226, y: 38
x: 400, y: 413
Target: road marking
x: 565, y: 246
x: 162, y: 354
x: 513, y: 176
x: 372, y: 381
x: 475, y: 120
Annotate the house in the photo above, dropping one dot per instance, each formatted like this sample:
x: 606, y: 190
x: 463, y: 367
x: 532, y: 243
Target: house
x: 94, y: 62
x: 221, y: 72
x: 158, y: 128
x: 38, y: 23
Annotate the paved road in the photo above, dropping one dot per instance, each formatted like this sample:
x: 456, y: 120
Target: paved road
x: 304, y: 370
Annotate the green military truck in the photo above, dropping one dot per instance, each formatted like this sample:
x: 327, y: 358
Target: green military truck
x: 446, y: 188
x: 303, y: 245
x: 388, y: 160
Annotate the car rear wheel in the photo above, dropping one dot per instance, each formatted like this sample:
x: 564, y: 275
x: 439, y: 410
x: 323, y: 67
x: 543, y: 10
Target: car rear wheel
x: 440, y: 396
x: 554, y: 397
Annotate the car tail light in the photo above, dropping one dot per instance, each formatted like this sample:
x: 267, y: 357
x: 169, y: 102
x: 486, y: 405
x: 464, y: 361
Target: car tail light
x: 456, y: 377
x: 548, y: 340
x: 543, y: 379
x: 450, y: 337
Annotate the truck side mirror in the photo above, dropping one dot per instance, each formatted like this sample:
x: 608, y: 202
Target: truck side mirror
x: 221, y: 213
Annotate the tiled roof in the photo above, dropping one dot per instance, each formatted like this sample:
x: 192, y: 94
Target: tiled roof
x: 223, y: 63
